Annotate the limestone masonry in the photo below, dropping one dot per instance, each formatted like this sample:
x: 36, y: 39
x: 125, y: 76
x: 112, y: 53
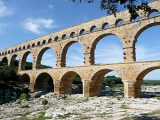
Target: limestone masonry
x: 131, y: 72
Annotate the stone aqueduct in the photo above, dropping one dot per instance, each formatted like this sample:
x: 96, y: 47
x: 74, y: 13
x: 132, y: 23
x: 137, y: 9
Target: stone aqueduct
x: 131, y: 72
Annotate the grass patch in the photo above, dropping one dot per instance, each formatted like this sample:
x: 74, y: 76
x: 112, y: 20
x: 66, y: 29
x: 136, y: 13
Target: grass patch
x: 124, y: 107
x: 64, y: 116
x: 102, y: 114
x: 85, y: 100
x: 44, y: 102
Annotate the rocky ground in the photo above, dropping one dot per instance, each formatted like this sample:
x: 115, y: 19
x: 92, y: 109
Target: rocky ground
x: 75, y: 107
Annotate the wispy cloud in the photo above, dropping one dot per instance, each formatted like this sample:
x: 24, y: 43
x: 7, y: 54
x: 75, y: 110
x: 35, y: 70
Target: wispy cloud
x: 50, y: 6
x: 4, y: 10
x: 38, y: 25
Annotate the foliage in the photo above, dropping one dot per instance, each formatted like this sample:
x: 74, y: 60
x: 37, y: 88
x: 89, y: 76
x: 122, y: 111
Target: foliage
x: 77, y: 80
x: 44, y: 102
x: 114, y: 6
x: 151, y: 82
x: 111, y: 81
x: 23, y: 97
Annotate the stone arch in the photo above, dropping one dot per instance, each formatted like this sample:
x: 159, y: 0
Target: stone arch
x: 105, y: 26
x: 66, y: 82
x: 44, y: 42
x: 96, y: 80
x: 33, y: 45
x: 56, y: 39
x: 4, y: 61
x: 12, y: 51
x: 82, y: 32
x: 25, y: 79
x: 93, y: 28
x: 44, y: 82
x: 153, y: 11
x: 119, y: 22
x: 13, y: 61
x: 20, y: 48
x: 142, y: 30
x: 49, y: 40
x: 136, y: 19
x: 24, y: 58
x: 64, y: 36
x: 95, y: 42
x: 40, y: 54
x: 9, y: 52
x: 38, y: 43
x: 24, y: 47
x: 16, y: 50
x: 73, y: 34
x: 28, y: 46
x: 64, y: 52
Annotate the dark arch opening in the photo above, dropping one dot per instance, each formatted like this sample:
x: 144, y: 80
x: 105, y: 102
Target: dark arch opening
x: 14, y: 63
x: 56, y: 39
x: 4, y: 61
x: 70, y: 58
x: 24, y: 47
x: 44, y: 82
x: 25, y: 80
x: 44, y: 42
x: 73, y: 34
x: 28, y: 47
x: 38, y: 43
x: 33, y: 45
x: 71, y: 83
x: 107, y: 48
x: 64, y: 37
x: 46, y: 59
x: 136, y: 19
x: 105, y: 26
x: 93, y: 29
x: 49, y: 40
x: 27, y: 61
x: 119, y: 22
x: 153, y: 13
x: 147, y: 42
x: 106, y: 82
x: 82, y: 32
x: 148, y: 82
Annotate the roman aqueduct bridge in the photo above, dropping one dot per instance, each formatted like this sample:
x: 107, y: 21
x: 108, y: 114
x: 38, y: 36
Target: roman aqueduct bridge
x: 131, y: 72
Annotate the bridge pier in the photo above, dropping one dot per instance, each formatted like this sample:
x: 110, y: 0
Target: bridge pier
x: 131, y: 89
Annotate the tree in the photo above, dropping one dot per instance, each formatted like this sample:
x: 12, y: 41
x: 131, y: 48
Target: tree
x: 114, y: 6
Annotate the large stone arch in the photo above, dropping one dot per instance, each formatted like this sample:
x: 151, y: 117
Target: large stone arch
x: 142, y: 29
x: 24, y: 58
x: 95, y: 42
x: 25, y: 79
x: 13, y: 59
x: 42, y: 81
x: 64, y: 52
x: 96, y: 80
x: 40, y: 55
x: 4, y: 61
x: 66, y: 82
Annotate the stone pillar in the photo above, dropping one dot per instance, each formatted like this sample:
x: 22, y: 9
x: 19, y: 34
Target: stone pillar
x: 88, y: 59
x: 129, y: 54
x: 131, y: 89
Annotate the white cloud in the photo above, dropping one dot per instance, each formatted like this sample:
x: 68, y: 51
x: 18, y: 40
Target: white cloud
x: 4, y: 11
x: 2, y: 28
x: 38, y: 25
x: 50, y: 6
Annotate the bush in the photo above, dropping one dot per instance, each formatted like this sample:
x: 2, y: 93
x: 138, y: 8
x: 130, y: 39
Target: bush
x: 44, y: 102
x: 23, y: 97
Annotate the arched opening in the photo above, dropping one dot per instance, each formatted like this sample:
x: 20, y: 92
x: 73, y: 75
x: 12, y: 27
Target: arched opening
x: 71, y: 83
x: 14, y: 63
x: 9, y: 52
x: 72, y: 54
x: 4, y: 61
x: 49, y: 40
x: 28, y: 47
x: 44, y: 82
x: 56, y: 39
x: 73, y: 34
x: 64, y: 36
x: 33, y: 45
x: 106, y: 82
x: 136, y: 19
x: 24, y: 47
x: 147, y: 45
x: 93, y: 29
x: 105, y: 26
x: 25, y: 80
x: 119, y: 22
x: 46, y: 59
x: 107, y: 48
x: 20, y: 49
x: 44, y: 42
x: 148, y: 83
x: 82, y: 32
x: 27, y: 61
x: 153, y: 13
x: 38, y: 43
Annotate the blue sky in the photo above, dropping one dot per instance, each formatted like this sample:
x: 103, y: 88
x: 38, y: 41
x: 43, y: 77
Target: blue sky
x: 22, y: 20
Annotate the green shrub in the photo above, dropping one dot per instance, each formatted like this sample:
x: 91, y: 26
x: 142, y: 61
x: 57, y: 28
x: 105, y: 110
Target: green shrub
x: 23, y: 97
x: 44, y: 102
